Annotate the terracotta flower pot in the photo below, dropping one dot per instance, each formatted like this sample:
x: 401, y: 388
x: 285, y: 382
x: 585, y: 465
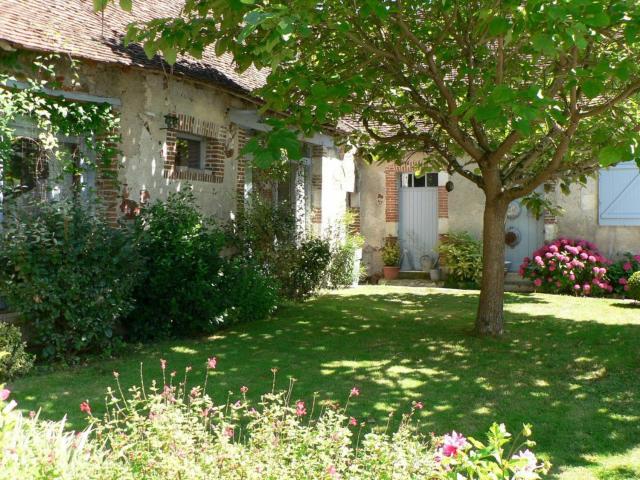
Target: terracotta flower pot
x: 390, y: 273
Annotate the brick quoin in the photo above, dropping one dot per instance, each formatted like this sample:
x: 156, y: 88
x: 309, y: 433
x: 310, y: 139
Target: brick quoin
x: 243, y: 138
x: 107, y: 188
x: 392, y: 212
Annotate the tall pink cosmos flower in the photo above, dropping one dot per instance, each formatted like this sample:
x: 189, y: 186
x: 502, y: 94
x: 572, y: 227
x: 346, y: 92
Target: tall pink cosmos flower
x: 85, y: 407
x: 244, y: 389
x: 355, y: 391
x: 212, y: 362
x: 4, y: 394
x: 453, y: 443
x: 418, y: 405
x: 300, y: 409
x: 353, y: 421
x: 163, y: 363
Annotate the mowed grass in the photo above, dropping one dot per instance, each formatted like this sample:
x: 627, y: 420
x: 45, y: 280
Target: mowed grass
x: 569, y: 366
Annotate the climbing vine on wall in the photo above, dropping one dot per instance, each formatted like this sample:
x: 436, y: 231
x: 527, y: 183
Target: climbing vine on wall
x: 25, y: 96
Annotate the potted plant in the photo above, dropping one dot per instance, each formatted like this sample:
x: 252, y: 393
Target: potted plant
x: 391, y: 258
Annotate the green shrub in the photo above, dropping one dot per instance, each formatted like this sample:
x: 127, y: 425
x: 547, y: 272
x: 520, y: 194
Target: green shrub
x: 180, y: 431
x: 14, y: 360
x: 634, y: 286
x: 179, y: 294
x: 346, y: 244
x: 189, y: 288
x: 250, y: 293
x: 268, y: 235
x: 391, y: 253
x: 462, y: 254
x: 69, y: 275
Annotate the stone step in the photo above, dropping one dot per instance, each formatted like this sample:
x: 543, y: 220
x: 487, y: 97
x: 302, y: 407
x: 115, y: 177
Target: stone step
x: 413, y: 275
x: 399, y: 282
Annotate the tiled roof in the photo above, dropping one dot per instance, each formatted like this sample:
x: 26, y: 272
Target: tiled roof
x: 71, y: 26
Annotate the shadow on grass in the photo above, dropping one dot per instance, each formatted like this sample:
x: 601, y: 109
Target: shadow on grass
x: 577, y: 382
x: 628, y: 304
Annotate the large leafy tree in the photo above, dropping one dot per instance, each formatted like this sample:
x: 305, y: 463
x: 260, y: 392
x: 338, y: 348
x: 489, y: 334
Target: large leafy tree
x: 509, y: 94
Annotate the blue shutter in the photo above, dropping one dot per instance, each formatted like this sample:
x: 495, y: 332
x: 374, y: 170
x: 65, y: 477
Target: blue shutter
x: 619, y: 191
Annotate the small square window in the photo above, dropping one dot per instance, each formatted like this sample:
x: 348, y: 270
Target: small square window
x: 189, y: 153
x: 419, y: 181
x: 432, y: 179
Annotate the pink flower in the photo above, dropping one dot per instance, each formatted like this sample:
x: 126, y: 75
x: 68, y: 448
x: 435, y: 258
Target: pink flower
x: 354, y: 392
x: 622, y: 281
x: 353, y: 421
x: 300, y: 410
x: 548, y: 255
x: 572, y: 277
x: 553, y: 248
x: 586, y: 288
x: 331, y: 470
x: 584, y: 255
x: 577, y: 287
x: 537, y: 282
x: 592, y: 259
x: 85, y: 407
x: 4, y: 394
x: 244, y: 389
x: 453, y: 443
x: 637, y: 258
x: 418, y: 405
x: 626, y: 288
x: 163, y: 363
x: 212, y: 362
x: 559, y: 284
x: 229, y: 432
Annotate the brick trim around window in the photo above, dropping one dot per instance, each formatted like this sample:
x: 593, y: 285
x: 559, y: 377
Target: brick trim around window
x: 391, y: 209
x: 213, y: 135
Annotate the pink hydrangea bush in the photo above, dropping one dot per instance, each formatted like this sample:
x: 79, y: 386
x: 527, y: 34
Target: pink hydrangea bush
x: 620, y: 272
x: 568, y: 266
x: 171, y: 428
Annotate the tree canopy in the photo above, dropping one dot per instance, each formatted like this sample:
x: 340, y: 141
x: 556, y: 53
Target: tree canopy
x: 509, y: 94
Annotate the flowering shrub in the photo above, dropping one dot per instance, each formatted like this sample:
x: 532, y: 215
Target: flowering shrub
x: 568, y: 266
x: 620, y: 272
x: 171, y: 431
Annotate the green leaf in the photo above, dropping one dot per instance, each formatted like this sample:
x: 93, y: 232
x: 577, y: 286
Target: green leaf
x: 498, y: 26
x: 149, y: 49
x: 592, y: 88
x: 598, y: 20
x: 543, y: 43
x: 170, y: 55
x: 126, y: 5
x: 100, y: 5
x: 611, y: 155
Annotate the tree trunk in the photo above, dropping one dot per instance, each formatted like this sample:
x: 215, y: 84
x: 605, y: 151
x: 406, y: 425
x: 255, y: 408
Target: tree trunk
x: 490, y: 317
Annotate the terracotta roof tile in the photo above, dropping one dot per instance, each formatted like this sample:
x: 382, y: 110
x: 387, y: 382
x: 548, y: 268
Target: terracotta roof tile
x: 71, y: 26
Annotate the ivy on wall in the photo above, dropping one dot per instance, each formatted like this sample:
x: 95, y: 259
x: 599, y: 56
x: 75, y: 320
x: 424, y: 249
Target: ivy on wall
x: 54, y: 116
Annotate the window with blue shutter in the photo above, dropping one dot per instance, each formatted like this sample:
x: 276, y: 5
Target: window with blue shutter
x: 619, y: 191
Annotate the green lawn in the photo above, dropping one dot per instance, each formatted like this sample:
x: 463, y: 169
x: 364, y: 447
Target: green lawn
x: 569, y: 366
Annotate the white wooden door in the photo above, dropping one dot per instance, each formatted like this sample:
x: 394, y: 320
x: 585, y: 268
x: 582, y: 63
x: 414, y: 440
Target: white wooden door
x: 527, y: 234
x: 418, y: 226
